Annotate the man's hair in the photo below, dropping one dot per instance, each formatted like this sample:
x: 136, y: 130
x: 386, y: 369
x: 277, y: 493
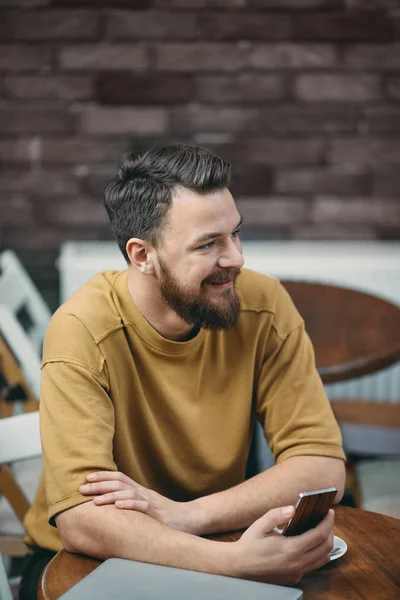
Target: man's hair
x: 139, y: 197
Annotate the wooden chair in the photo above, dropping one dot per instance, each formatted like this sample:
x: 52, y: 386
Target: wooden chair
x: 13, y: 384
x: 17, y: 483
x: 20, y: 346
x: 20, y: 441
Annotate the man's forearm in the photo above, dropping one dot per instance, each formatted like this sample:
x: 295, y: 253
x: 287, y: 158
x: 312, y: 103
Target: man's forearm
x: 105, y: 532
x: 280, y: 485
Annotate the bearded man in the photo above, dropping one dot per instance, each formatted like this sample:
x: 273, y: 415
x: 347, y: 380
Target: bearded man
x: 153, y: 378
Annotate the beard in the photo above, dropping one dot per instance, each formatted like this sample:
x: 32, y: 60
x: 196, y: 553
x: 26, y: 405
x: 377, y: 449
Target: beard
x: 195, y: 308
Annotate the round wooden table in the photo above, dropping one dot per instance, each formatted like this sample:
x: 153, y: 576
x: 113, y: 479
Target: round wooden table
x: 353, y: 333
x: 370, y: 570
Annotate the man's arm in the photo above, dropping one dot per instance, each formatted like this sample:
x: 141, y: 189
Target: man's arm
x: 261, y: 554
x: 235, y: 508
x: 279, y: 485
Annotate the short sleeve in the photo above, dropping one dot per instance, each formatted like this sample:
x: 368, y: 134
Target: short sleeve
x: 76, y: 413
x: 291, y: 401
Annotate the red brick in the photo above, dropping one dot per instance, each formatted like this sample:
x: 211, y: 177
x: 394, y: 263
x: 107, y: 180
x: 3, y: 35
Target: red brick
x: 393, y: 88
x: 38, y: 181
x: 54, y: 87
x: 135, y: 25
x: 338, y: 88
x: 131, y: 4
x: 366, y: 151
x: 24, y: 58
x: 386, y: 182
x: 73, y: 210
x: 272, y: 211
x: 201, y: 57
x: 16, y: 210
x: 297, y: 5
x: 363, y: 4
x: 23, y: 120
x: 382, y: 119
x: 131, y: 88
x: 17, y: 150
x: 333, y: 231
x: 346, y: 180
x: 363, y: 211
x: 324, y: 118
x: 248, y: 180
x: 373, y: 56
x: 132, y: 57
x: 50, y: 25
x: 24, y: 3
x: 77, y: 150
x: 200, y: 119
x: 346, y: 25
x: 292, y: 56
x: 244, y: 26
x: 95, y: 180
x: 140, y: 121
x: 196, y: 4
x: 277, y: 151
x: 241, y: 87
x: 45, y: 237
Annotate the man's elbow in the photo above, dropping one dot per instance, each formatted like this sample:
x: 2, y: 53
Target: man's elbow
x: 338, y: 474
x: 71, y: 530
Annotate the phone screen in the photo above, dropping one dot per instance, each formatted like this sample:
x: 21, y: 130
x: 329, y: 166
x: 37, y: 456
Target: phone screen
x: 311, y: 508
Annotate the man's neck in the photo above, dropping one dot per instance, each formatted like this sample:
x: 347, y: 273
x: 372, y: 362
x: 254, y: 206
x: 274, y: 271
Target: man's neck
x: 147, y: 297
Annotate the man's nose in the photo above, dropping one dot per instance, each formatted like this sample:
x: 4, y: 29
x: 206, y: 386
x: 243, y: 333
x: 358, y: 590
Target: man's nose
x: 231, y: 256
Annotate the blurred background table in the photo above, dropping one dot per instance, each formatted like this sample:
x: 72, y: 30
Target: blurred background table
x: 353, y: 333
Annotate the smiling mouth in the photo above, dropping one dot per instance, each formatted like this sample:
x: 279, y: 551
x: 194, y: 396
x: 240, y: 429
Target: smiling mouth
x: 221, y: 283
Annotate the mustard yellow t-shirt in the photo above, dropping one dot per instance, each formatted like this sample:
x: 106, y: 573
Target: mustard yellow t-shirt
x: 175, y: 416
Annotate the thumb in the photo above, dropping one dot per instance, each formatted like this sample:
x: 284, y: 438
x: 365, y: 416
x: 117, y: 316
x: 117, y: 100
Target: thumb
x: 272, y: 519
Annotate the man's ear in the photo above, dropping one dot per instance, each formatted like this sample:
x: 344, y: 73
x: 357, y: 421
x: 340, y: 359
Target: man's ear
x: 141, y: 255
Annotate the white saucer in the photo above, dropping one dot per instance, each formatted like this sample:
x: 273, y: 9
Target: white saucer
x: 341, y: 544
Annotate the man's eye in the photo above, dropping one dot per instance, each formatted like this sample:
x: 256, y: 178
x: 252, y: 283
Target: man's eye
x: 206, y: 246
x: 235, y: 234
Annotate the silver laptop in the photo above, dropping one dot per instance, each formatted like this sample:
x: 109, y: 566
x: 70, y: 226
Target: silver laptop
x: 131, y: 580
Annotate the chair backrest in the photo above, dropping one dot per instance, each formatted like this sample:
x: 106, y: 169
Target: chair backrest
x: 21, y: 346
x: 20, y: 437
x: 18, y: 292
x: 368, y: 428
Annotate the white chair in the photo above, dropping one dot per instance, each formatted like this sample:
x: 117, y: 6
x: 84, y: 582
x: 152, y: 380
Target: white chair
x: 17, y: 291
x: 19, y: 445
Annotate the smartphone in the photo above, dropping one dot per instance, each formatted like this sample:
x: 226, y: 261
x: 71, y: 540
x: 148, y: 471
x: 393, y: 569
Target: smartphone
x: 310, y: 509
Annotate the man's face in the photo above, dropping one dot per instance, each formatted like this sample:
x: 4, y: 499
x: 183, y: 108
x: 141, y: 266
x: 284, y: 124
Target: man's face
x: 200, y: 258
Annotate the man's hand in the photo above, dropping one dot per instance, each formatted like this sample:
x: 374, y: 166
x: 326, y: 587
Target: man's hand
x: 113, y: 487
x: 265, y: 555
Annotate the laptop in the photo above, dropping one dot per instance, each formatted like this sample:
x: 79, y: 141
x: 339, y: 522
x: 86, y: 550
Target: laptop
x: 132, y: 580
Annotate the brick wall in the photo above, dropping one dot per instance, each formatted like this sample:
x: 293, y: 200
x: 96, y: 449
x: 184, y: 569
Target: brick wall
x: 302, y: 95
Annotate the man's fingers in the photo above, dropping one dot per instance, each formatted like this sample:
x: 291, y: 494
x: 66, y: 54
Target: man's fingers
x: 271, y: 520
x: 139, y: 505
x: 111, y: 476
x: 113, y: 497
x: 103, y: 487
x: 320, y: 555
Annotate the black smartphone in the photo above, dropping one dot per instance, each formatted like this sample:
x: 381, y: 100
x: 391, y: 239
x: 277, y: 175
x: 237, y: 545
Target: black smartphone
x: 310, y: 509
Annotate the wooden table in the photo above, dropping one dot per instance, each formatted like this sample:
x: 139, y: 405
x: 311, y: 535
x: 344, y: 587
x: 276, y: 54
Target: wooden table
x: 353, y: 333
x: 370, y: 570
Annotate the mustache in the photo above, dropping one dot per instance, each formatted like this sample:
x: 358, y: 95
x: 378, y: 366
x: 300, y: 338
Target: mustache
x: 222, y: 276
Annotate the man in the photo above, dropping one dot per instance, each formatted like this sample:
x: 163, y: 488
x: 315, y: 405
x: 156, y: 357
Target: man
x: 151, y: 381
